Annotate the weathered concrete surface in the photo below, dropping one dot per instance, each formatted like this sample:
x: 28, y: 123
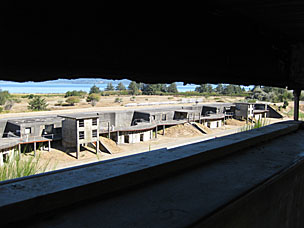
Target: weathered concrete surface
x: 18, y: 199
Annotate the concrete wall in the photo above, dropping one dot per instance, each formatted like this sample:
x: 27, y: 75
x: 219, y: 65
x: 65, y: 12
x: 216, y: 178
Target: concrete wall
x: 11, y: 127
x: 146, y: 136
x: 69, y: 133
x: 244, y: 111
x: 105, y: 118
x: 277, y: 203
x: 88, y: 128
x: 208, y: 109
x: 123, y: 119
x: 2, y: 127
x: 213, y: 123
x: 134, y: 137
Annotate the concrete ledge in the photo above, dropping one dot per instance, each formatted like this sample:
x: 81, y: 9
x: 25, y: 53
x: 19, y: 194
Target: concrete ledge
x: 277, y: 202
x: 41, y: 193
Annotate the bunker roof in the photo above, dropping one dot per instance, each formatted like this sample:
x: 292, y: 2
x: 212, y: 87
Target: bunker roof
x: 37, y: 119
x: 79, y: 116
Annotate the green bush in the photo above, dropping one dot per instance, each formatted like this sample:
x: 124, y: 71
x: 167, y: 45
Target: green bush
x: 75, y: 93
x: 72, y: 100
x: 37, y: 104
x: 118, y: 100
x: 93, y: 97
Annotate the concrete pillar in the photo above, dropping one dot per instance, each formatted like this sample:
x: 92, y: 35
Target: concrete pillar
x: 164, y: 127
x: 117, y: 140
x: 156, y: 132
x: 19, y: 149
x: 296, y: 94
x: 35, y: 149
x: 97, y: 146
x: 109, y: 134
x: 78, y: 150
x: 1, y: 159
x: 49, y: 147
x: 200, y: 116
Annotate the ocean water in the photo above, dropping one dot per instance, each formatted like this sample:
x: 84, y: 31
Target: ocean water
x: 42, y: 87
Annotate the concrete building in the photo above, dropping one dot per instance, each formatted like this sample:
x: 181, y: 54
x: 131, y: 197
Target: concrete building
x: 80, y: 130
x: 244, y: 111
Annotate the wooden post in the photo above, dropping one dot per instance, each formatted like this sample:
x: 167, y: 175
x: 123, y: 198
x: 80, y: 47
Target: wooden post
x: 35, y: 149
x: 49, y: 148
x: 296, y: 94
x: 19, y: 149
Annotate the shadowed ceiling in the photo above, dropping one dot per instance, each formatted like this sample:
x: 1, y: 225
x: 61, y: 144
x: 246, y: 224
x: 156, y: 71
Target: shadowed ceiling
x: 240, y: 42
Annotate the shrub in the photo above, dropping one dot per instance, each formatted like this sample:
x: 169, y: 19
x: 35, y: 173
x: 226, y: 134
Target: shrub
x: 8, y: 105
x: 285, y: 104
x: 72, y: 100
x: 1, y: 109
x: 75, y: 93
x: 93, y: 97
x: 4, y: 96
x: 59, y: 103
x: 118, y: 100
x: 37, y: 104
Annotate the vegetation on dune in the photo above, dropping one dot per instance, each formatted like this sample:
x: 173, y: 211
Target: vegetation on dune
x: 37, y: 104
x: 73, y: 100
x: 76, y: 93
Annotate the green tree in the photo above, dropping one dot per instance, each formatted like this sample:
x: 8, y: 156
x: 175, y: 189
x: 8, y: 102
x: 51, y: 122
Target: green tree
x: 120, y: 86
x: 204, y: 88
x: 150, y: 89
x: 37, y: 104
x: 93, y: 97
x: 4, y: 96
x: 79, y: 93
x: 94, y: 89
x: 72, y: 100
x: 172, y: 88
x: 109, y: 87
x: 133, y: 87
x: 219, y: 89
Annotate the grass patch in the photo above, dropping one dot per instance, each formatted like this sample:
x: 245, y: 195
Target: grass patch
x: 259, y: 123
x: 290, y: 114
x: 17, y: 167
